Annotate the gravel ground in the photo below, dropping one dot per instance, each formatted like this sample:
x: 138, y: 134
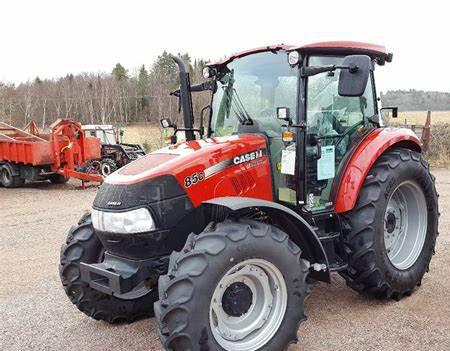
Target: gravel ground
x: 35, y: 314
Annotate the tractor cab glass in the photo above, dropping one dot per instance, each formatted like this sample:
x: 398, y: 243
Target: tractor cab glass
x: 105, y: 133
x: 334, y: 124
x: 254, y: 87
x: 252, y: 92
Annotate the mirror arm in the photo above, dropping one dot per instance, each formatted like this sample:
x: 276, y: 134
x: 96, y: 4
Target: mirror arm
x: 393, y: 109
x: 209, y: 85
x: 313, y: 70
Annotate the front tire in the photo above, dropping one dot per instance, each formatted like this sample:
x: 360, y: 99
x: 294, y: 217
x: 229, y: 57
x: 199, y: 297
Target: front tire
x: 391, y: 232
x: 82, y: 245
x: 236, y: 286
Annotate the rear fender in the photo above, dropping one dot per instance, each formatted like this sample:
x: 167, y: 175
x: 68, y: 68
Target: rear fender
x: 363, y: 158
x: 292, y: 223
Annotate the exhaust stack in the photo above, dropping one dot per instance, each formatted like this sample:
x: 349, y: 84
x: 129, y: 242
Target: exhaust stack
x: 186, y: 98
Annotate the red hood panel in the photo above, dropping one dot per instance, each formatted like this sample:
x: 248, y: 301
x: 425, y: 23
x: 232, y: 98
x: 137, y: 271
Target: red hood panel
x: 224, y: 166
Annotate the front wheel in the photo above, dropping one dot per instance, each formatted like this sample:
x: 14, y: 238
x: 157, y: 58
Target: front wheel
x: 82, y: 245
x: 236, y: 286
x: 391, y: 232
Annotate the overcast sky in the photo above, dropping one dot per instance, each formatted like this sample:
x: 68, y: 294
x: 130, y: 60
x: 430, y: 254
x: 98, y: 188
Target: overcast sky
x: 52, y: 38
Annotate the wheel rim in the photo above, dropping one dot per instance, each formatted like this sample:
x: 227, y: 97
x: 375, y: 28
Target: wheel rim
x: 106, y: 169
x: 405, y: 225
x: 7, y: 176
x: 248, y: 305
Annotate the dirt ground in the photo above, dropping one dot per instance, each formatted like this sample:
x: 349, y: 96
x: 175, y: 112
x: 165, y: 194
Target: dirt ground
x: 35, y: 314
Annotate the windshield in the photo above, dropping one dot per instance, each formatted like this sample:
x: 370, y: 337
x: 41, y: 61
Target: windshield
x: 249, y: 91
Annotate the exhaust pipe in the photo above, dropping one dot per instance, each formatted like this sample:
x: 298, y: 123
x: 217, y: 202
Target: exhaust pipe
x: 186, y: 98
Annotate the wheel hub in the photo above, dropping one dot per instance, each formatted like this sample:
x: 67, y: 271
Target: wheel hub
x: 237, y: 299
x: 390, y: 222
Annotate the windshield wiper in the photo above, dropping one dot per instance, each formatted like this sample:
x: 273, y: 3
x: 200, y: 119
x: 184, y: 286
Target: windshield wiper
x: 238, y: 107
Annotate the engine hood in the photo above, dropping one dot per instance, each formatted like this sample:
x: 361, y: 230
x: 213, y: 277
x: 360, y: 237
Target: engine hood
x: 223, y: 166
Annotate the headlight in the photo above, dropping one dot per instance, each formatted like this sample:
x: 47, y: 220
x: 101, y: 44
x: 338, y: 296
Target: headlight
x: 135, y: 221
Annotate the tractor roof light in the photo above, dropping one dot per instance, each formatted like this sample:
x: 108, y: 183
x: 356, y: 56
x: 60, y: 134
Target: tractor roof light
x: 293, y: 58
x: 208, y: 72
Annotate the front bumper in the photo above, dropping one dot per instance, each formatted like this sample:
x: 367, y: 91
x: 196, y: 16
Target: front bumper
x: 118, y: 275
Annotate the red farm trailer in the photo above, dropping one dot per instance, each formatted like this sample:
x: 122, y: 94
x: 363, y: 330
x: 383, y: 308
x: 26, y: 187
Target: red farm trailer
x: 57, y: 156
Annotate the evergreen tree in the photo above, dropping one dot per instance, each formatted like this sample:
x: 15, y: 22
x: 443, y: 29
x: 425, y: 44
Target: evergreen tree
x: 142, y: 86
x: 119, y: 72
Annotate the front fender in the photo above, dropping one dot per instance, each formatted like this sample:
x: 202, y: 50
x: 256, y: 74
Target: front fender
x: 291, y: 222
x: 363, y: 158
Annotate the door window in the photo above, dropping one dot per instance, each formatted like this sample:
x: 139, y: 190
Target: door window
x: 334, y: 124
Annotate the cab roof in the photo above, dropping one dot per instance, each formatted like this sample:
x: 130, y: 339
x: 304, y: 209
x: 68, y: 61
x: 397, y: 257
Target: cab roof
x: 374, y: 51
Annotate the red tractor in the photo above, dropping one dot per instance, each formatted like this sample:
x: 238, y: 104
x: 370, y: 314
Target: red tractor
x: 292, y: 177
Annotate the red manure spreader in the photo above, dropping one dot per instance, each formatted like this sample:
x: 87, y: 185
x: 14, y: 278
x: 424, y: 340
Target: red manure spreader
x: 56, y: 156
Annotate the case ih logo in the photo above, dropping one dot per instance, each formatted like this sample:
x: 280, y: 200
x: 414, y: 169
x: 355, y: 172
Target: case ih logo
x: 250, y: 156
x: 114, y: 203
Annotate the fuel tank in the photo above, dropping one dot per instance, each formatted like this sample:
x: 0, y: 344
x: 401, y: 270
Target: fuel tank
x: 236, y: 165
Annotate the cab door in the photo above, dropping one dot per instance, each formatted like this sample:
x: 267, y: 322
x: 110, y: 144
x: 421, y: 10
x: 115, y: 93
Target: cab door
x: 334, y: 125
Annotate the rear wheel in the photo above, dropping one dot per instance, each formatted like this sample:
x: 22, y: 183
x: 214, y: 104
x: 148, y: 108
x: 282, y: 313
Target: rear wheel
x: 8, y: 179
x: 236, y: 286
x: 391, y: 232
x: 82, y: 245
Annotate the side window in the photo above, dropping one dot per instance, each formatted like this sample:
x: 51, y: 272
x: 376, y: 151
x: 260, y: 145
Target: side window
x: 334, y: 124
x: 329, y: 113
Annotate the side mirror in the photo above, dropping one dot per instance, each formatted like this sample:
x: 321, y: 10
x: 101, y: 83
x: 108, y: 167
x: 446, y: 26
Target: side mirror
x: 166, y: 122
x: 394, y: 111
x: 353, y: 79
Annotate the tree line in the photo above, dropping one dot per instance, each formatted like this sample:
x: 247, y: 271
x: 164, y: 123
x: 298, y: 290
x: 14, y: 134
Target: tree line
x: 122, y: 97
x: 117, y: 97
x: 417, y: 100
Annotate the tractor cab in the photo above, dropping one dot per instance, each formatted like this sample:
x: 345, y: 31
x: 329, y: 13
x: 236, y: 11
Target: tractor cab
x: 313, y: 104
x: 105, y: 132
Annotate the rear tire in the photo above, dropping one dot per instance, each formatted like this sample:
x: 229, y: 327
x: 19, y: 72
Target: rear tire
x: 82, y: 245
x: 390, y: 241
x: 8, y: 179
x: 207, y: 298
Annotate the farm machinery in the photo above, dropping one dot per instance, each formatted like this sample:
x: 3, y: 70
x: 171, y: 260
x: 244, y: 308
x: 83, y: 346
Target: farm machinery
x: 114, y: 153
x: 29, y: 155
x: 295, y: 178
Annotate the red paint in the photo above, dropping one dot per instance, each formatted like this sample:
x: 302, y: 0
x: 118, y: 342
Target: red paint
x: 362, y: 161
x: 184, y: 160
x: 145, y: 163
x: 329, y: 47
x: 377, y: 50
